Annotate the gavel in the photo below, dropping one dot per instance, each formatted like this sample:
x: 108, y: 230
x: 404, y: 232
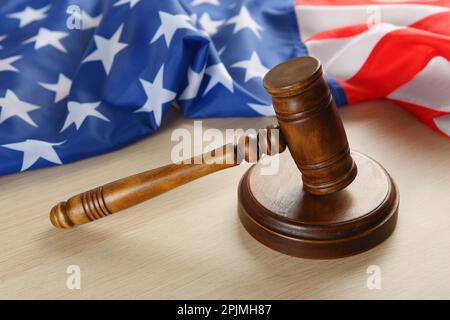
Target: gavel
x: 325, y: 201
x: 124, y: 193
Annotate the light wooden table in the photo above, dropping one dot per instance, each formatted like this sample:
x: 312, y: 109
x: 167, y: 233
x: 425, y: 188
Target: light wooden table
x: 189, y: 243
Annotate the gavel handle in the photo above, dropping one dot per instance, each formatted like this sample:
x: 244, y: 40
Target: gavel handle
x: 124, y: 193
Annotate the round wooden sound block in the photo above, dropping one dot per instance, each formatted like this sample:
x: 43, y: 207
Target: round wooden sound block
x: 276, y: 210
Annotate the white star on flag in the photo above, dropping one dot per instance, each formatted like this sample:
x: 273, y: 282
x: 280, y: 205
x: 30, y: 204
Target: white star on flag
x: 46, y: 37
x: 12, y: 106
x: 78, y: 112
x: 200, y: 2
x: 61, y: 88
x: 6, y: 64
x: 107, y: 49
x: 194, y: 18
x: 194, y: 82
x: 132, y: 3
x: 222, y: 50
x: 29, y: 15
x: 3, y: 37
x: 170, y: 24
x: 157, y: 96
x: 253, y: 67
x: 219, y: 74
x: 88, y: 22
x: 210, y: 26
x: 33, y: 150
x: 244, y: 20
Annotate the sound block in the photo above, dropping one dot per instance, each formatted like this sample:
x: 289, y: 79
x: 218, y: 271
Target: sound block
x: 276, y: 210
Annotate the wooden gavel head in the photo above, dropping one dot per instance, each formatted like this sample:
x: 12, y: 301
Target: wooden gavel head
x: 311, y: 125
x: 324, y: 201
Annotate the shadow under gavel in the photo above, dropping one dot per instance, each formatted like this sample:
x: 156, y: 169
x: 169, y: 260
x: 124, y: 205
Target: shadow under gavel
x: 130, y: 191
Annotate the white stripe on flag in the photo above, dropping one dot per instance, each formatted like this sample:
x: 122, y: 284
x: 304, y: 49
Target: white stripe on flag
x: 443, y: 123
x: 353, y: 53
x: 429, y: 88
x: 326, y: 49
x: 314, y: 19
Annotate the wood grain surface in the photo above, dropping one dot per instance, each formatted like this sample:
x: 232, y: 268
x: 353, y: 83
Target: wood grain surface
x: 188, y: 243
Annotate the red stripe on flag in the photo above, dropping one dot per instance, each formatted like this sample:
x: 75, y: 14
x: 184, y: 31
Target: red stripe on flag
x: 344, y: 32
x: 440, y: 3
x: 424, y: 114
x: 437, y: 23
x: 395, y: 60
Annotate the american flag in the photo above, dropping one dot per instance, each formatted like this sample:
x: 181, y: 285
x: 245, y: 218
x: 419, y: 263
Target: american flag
x: 83, y: 77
